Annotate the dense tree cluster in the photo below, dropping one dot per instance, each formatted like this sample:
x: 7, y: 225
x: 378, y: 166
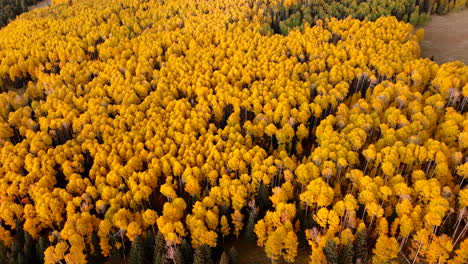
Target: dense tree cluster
x: 9, y: 9
x: 158, y: 129
x: 286, y: 15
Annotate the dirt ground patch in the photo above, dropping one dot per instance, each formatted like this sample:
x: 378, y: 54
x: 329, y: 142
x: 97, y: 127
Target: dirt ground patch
x: 446, y: 38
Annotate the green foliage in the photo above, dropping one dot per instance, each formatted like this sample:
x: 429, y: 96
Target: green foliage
x: 262, y: 198
x: 249, y: 229
x: 347, y: 254
x: 3, y: 253
x: 233, y: 256
x: 41, y: 246
x: 149, y: 246
x: 284, y: 19
x: 29, y: 249
x: 9, y: 9
x: 187, y: 251
x: 331, y: 251
x: 360, y: 246
x: 289, y: 24
x: 202, y: 255
x: 414, y: 17
x: 179, y: 257
x: 266, y: 30
x: 15, y: 251
x: 137, y: 252
x: 159, y: 249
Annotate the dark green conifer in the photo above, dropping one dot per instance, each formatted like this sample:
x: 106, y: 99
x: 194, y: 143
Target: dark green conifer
x: 179, y: 257
x: 3, y: 253
x: 331, y: 251
x: 249, y: 229
x: 149, y: 246
x: 202, y: 255
x: 159, y: 249
x: 41, y: 246
x: 29, y: 249
x: 137, y: 252
x: 233, y: 256
x: 187, y: 251
x: 360, y: 246
x: 347, y: 254
x: 262, y: 198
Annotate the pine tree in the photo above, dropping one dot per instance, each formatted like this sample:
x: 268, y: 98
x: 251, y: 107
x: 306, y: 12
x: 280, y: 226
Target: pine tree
x: 148, y: 246
x: 249, y: 229
x: 23, y: 5
x: 187, y: 251
x: 224, y: 210
x: 19, y: 233
x: 159, y: 249
x: 41, y: 246
x: 29, y: 250
x: 347, y: 254
x: 137, y: 251
x: 179, y: 257
x: 15, y: 251
x: 360, y: 245
x: 3, y: 253
x: 202, y: 255
x: 262, y: 198
x: 224, y: 258
x: 331, y: 251
x: 17, y: 256
x: 233, y: 256
x: 21, y: 259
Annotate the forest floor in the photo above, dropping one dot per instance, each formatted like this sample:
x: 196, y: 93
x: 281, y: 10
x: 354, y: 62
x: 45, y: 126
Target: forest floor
x: 446, y: 38
x: 40, y: 4
x: 250, y: 253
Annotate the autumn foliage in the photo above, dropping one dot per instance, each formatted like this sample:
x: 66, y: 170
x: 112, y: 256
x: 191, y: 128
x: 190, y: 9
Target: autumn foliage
x: 187, y: 119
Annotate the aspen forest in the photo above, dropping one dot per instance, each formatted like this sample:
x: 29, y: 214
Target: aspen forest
x: 171, y: 131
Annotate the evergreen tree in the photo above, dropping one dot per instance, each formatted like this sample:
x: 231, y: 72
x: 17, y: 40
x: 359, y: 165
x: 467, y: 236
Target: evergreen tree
x: 224, y: 210
x: 179, y: 257
x: 187, y: 251
x: 41, y: 246
x: 159, y: 249
x: 224, y: 258
x: 233, y: 256
x: 148, y: 247
x: 20, y: 259
x: 3, y: 253
x: 29, y: 249
x: 202, y: 255
x: 137, y: 252
x: 360, y: 246
x: 19, y: 233
x: 249, y: 229
x: 331, y: 251
x: 16, y: 255
x: 23, y: 5
x: 15, y: 251
x: 347, y: 254
x: 262, y: 198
